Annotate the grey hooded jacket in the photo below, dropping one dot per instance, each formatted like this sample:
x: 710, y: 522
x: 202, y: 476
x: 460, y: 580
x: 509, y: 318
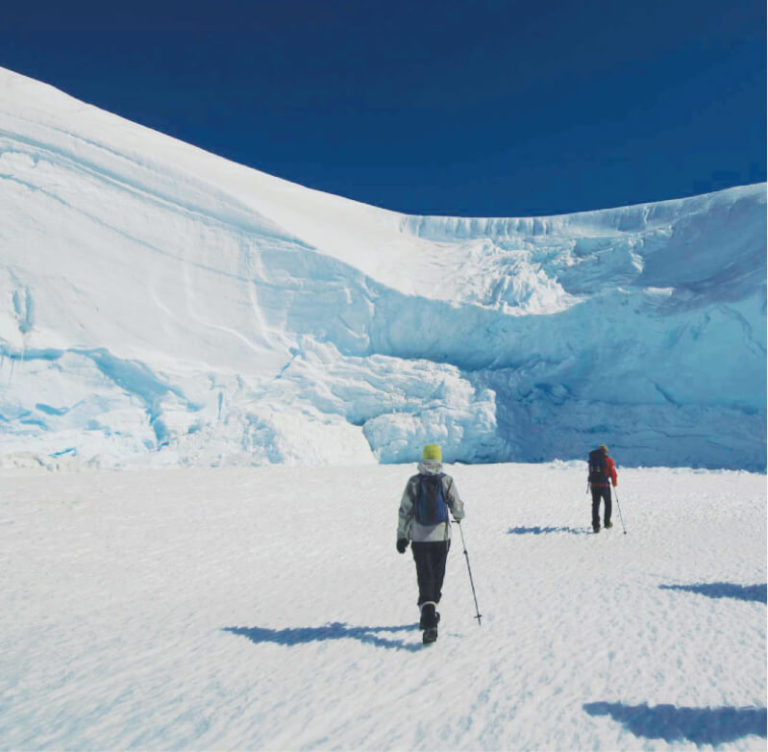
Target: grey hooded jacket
x: 408, y: 527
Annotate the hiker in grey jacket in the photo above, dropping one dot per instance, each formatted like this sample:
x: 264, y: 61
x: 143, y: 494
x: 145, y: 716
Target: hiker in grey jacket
x: 430, y: 539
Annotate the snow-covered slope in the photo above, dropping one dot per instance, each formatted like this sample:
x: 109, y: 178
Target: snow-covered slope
x: 159, y: 304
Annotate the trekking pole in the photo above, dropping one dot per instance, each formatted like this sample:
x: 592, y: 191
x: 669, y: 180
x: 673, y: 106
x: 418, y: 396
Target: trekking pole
x: 619, y: 508
x: 471, y: 581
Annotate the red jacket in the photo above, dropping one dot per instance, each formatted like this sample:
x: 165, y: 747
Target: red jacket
x: 611, y: 470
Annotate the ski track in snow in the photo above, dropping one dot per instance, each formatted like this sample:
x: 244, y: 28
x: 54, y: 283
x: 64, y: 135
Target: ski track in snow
x: 267, y: 608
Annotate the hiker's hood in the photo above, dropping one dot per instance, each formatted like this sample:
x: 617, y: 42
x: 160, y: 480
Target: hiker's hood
x: 430, y: 467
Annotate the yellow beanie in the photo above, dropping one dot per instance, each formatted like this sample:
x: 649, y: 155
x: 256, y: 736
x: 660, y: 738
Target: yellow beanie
x: 432, y: 452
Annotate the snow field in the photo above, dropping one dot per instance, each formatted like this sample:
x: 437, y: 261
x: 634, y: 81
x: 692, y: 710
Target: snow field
x: 267, y: 608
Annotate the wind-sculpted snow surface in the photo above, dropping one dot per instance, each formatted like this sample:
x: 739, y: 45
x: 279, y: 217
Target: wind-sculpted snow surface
x: 161, y: 305
x: 159, y: 612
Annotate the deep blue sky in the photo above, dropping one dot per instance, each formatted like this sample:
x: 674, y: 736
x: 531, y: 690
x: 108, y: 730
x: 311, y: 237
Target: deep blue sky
x: 480, y: 108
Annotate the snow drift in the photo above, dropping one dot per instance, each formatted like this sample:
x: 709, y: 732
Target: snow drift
x: 162, y: 305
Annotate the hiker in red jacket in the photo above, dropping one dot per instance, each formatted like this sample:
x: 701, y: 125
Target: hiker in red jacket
x: 602, y: 472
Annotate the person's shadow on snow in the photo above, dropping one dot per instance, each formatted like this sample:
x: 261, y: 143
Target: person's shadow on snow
x: 758, y: 593
x: 698, y: 725
x: 333, y: 631
x: 547, y: 530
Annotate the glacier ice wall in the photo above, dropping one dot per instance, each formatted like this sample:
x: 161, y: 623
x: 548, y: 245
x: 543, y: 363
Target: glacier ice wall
x: 161, y: 305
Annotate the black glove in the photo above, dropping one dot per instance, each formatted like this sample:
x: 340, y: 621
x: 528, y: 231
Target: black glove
x: 402, y: 544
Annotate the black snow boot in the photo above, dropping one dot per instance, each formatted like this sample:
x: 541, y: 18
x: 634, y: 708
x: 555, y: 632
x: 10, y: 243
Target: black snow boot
x: 429, y: 636
x: 428, y: 622
x: 429, y: 616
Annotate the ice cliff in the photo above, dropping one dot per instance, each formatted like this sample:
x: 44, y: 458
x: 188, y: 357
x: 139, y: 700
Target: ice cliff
x: 161, y: 305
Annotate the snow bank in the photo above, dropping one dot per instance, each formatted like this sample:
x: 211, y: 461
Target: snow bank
x: 161, y: 305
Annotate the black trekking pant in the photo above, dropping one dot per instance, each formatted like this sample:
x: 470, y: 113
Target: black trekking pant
x: 598, y: 493
x: 430, y: 561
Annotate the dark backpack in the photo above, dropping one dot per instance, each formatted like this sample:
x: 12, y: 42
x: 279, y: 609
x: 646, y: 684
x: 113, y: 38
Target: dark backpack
x: 431, y: 508
x: 598, y: 467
